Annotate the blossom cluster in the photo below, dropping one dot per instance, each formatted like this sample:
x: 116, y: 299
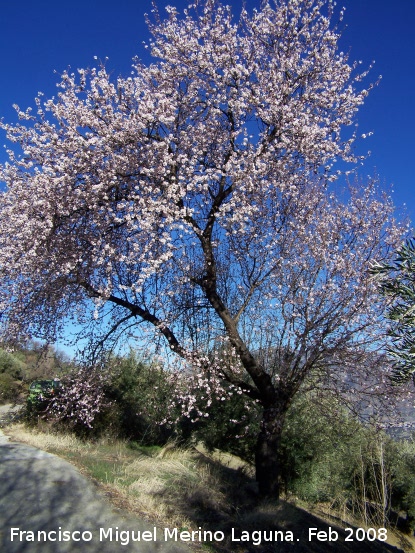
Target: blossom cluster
x: 81, y: 398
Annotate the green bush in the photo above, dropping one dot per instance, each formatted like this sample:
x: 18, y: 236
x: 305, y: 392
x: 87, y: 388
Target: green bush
x: 402, y: 460
x: 142, y: 397
x: 329, y: 456
x: 315, y: 451
x: 139, y: 392
x: 11, y: 375
x: 9, y: 388
x: 11, y: 365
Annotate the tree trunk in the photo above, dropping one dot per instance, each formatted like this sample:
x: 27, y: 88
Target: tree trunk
x: 266, y: 454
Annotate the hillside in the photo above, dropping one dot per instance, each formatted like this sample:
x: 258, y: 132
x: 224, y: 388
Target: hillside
x: 193, y: 490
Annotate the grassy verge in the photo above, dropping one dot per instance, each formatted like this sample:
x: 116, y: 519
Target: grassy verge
x: 189, y: 489
x: 172, y: 487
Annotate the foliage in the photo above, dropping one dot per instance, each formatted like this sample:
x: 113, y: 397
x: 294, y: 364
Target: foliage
x: 40, y: 394
x: 9, y: 388
x: 398, y: 282
x: 328, y: 455
x: 315, y: 449
x: 12, y: 372
x: 192, y: 204
x: 229, y: 423
x: 123, y: 397
x: 402, y: 455
x: 139, y: 391
x: 11, y: 365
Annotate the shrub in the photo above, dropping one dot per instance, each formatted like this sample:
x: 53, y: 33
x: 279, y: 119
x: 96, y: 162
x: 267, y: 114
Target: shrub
x: 9, y: 388
x: 9, y: 364
x: 329, y: 456
x: 317, y: 442
x: 11, y: 375
x: 230, y: 425
x: 402, y: 459
x: 140, y: 392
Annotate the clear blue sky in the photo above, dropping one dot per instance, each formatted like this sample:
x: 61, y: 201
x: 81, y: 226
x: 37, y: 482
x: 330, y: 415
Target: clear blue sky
x: 43, y: 36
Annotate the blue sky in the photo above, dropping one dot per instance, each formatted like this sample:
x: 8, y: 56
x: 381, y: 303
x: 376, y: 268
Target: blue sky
x: 40, y: 37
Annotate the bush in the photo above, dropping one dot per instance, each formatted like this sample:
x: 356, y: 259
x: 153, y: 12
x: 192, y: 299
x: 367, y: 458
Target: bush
x: 329, y: 456
x: 230, y: 425
x: 402, y: 459
x: 140, y: 392
x: 318, y: 440
x: 9, y: 364
x: 9, y: 388
x: 11, y: 375
x: 145, y: 409
x: 125, y: 397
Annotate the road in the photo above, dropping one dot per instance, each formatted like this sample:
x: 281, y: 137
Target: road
x: 41, y: 492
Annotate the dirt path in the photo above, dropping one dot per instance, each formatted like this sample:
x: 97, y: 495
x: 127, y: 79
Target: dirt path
x: 41, y: 492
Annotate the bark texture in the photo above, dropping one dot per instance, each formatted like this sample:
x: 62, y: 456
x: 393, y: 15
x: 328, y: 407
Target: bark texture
x: 267, y: 466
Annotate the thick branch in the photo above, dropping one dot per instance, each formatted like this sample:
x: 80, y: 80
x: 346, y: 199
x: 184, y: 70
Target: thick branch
x: 145, y: 315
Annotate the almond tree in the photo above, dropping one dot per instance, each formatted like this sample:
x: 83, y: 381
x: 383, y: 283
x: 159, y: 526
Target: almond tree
x: 196, y: 200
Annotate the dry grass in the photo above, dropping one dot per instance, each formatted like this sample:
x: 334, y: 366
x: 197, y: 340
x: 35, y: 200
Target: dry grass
x: 192, y: 488
x: 326, y: 513
x: 170, y: 486
x: 46, y: 440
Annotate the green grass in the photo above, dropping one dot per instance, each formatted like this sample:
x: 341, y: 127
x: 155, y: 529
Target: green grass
x: 150, y: 450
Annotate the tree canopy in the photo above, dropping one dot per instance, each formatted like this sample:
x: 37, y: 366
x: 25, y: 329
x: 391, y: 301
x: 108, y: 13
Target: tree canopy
x: 195, y: 202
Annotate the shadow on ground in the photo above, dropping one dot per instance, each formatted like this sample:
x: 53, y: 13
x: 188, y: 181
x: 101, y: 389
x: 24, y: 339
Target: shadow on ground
x: 282, y: 528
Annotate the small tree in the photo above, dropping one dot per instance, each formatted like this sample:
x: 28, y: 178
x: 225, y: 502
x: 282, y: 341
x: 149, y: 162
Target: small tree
x: 398, y: 282
x: 80, y: 399
x: 192, y: 202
